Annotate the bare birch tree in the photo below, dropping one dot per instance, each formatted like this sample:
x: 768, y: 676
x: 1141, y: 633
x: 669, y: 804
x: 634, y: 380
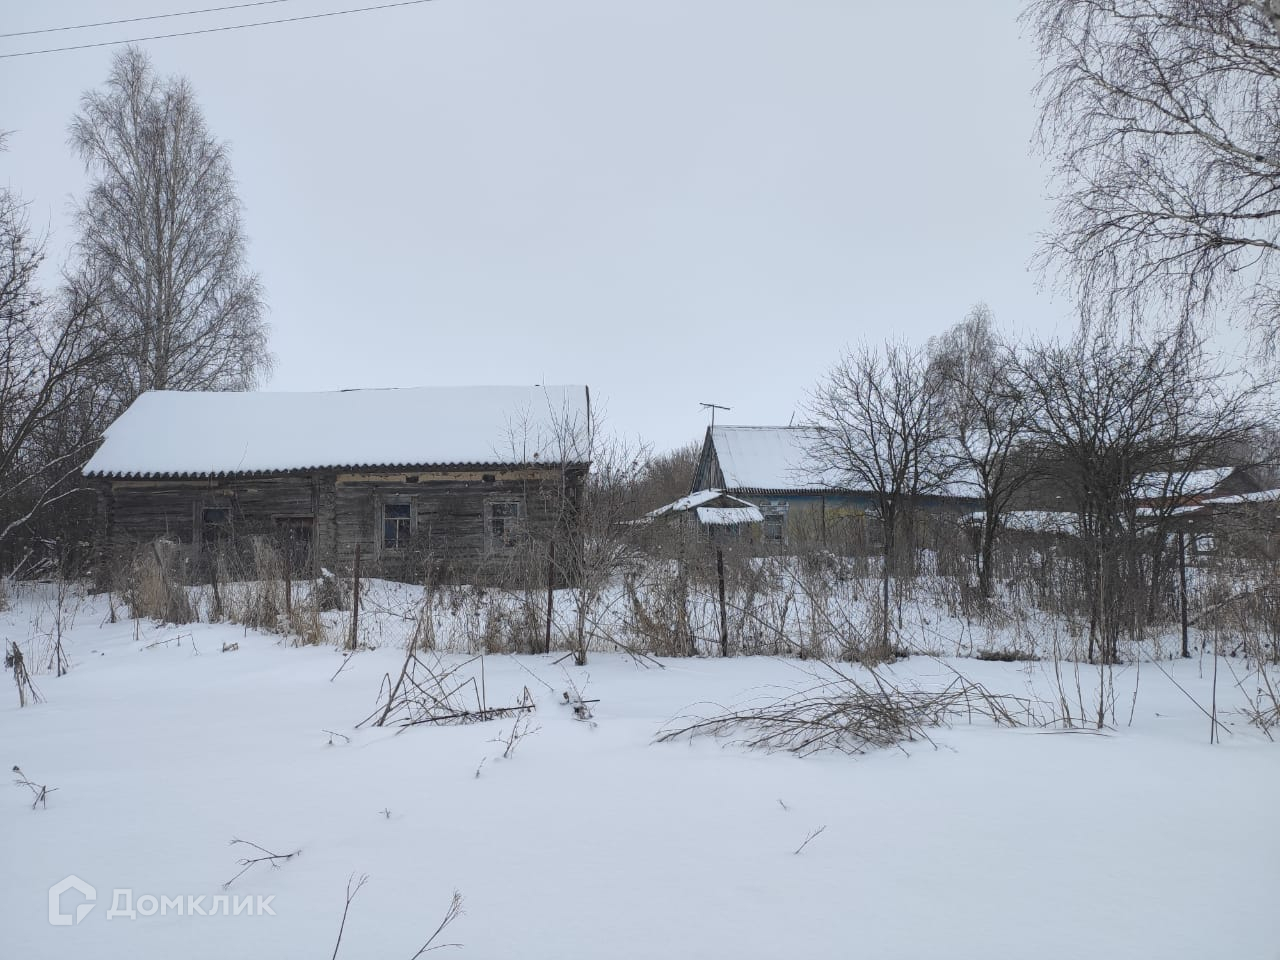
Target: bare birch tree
x: 161, y: 235
x: 880, y: 428
x: 987, y: 418
x: 1163, y: 121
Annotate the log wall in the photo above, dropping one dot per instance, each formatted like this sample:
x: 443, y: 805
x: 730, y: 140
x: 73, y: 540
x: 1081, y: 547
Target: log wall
x: 450, y: 516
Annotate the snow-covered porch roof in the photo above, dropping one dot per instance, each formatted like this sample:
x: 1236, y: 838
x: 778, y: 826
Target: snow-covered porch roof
x: 712, y: 507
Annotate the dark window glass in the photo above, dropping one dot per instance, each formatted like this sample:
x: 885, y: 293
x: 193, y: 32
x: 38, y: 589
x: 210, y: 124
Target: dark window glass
x: 397, y: 524
x: 215, y: 524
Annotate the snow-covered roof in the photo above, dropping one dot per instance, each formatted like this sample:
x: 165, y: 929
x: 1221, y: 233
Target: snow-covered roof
x: 1194, y: 483
x: 780, y: 458
x: 768, y: 458
x: 698, y: 500
x: 695, y: 499
x: 729, y: 516
x: 169, y: 433
x: 1258, y: 496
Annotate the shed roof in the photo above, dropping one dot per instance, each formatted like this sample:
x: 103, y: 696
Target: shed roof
x: 701, y: 500
x: 729, y: 516
x: 170, y: 433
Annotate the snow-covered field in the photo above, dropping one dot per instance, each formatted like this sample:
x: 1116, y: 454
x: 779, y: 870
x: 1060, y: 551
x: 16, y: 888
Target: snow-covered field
x: 591, y: 840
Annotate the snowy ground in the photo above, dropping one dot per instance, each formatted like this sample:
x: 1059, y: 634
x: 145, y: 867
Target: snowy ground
x: 593, y: 841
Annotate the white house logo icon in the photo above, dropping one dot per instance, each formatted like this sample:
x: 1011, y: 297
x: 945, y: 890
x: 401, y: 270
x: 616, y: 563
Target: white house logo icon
x: 56, y: 916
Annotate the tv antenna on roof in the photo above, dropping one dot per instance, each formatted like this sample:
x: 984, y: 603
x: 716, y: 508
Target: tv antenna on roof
x: 713, y: 407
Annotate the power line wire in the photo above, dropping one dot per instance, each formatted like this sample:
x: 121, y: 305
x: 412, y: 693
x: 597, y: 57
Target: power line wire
x: 236, y: 26
x: 154, y: 16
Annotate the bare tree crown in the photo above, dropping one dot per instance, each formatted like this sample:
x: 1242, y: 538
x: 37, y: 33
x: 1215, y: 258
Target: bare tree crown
x: 161, y: 235
x: 1163, y: 123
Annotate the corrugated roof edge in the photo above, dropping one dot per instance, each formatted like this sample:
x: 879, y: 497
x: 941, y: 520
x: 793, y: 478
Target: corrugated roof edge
x: 474, y: 465
x: 832, y: 491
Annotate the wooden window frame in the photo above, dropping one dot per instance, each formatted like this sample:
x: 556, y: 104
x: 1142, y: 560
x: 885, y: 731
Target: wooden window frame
x: 411, y: 520
x: 513, y: 525
x: 773, y: 515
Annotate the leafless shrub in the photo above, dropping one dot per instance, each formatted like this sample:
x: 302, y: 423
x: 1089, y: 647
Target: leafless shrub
x: 583, y: 708
x: 330, y: 593
x: 521, y: 728
x: 658, y: 609
x: 852, y: 716
x: 254, y: 587
x: 1263, y: 707
x: 511, y: 628
x: 153, y: 589
x: 438, y: 694
x: 307, y: 625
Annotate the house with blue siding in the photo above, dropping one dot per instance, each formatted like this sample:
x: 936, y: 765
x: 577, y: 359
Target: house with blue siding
x: 772, y: 468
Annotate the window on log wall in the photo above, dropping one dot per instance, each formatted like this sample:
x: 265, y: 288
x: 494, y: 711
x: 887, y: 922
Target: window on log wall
x: 502, y: 523
x: 215, y: 525
x: 397, y: 525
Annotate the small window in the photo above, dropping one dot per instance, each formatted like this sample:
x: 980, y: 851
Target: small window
x: 771, y: 528
x: 215, y: 524
x: 502, y: 523
x: 397, y: 525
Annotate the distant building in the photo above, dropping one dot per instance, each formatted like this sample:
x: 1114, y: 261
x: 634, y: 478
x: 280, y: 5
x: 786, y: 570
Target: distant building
x: 455, y: 479
x: 772, y: 468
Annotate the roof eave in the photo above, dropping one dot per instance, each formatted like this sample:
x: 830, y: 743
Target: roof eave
x: 330, y: 468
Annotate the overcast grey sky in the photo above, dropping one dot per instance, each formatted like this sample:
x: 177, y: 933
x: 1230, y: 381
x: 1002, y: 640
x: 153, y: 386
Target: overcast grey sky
x: 672, y: 201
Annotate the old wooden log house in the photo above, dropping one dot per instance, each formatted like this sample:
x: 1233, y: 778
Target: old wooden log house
x: 456, y: 483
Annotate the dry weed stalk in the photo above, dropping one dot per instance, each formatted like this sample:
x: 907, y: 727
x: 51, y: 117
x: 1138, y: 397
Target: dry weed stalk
x: 14, y: 661
x: 452, y: 913
x: 153, y: 591
x: 247, y: 863
x: 353, y: 888
x: 434, y: 693
x: 39, y: 791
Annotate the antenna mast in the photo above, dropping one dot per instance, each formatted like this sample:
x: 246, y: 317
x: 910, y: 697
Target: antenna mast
x: 713, y: 407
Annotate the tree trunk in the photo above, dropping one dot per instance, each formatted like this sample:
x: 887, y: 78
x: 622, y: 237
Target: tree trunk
x: 986, y: 558
x: 551, y: 591
x: 724, y: 611
x: 1182, y: 591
